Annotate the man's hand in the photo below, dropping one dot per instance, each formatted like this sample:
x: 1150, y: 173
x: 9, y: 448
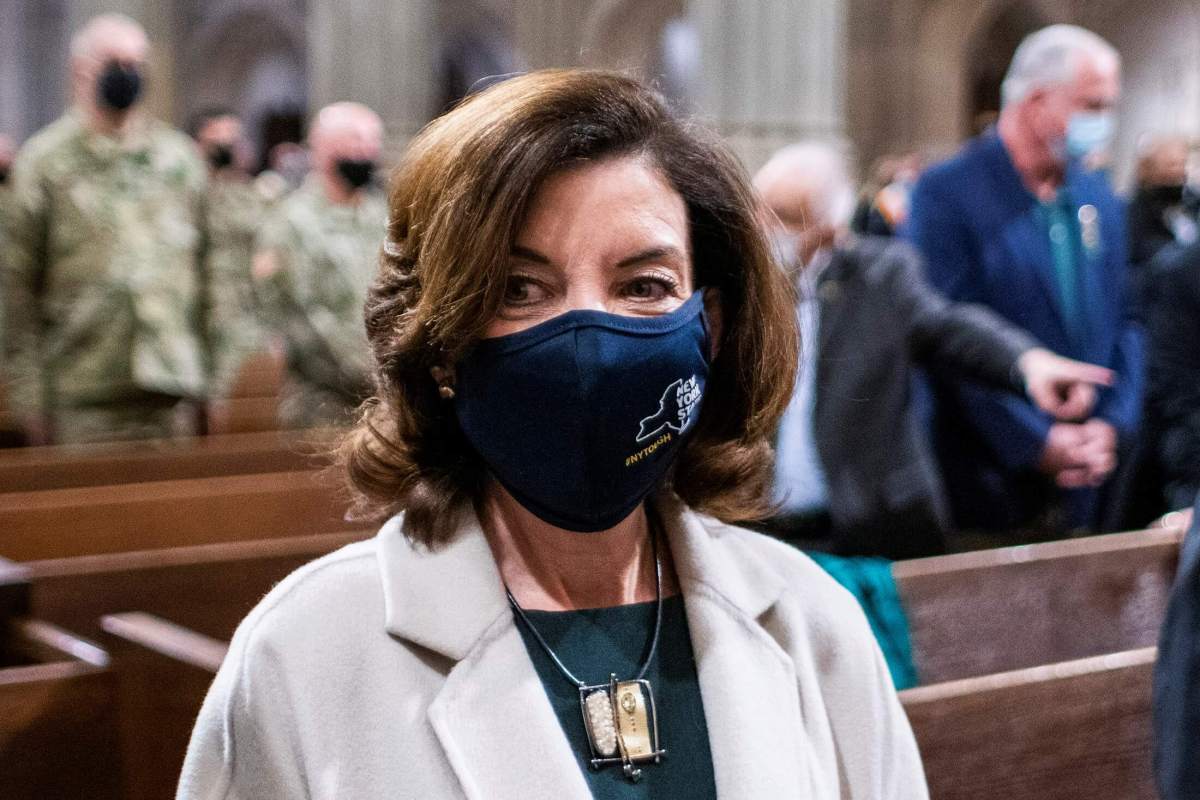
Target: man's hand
x: 1078, y: 455
x: 1060, y: 386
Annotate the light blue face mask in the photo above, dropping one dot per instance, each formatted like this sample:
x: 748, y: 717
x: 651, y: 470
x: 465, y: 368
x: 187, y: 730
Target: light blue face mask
x: 1089, y: 132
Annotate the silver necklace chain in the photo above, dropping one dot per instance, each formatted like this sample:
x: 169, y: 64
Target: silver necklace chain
x: 653, y: 641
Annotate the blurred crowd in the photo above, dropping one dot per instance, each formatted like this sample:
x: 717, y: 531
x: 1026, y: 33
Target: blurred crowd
x: 949, y: 311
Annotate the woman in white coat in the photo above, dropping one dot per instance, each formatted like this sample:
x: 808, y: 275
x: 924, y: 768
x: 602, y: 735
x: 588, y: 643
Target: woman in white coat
x: 582, y: 349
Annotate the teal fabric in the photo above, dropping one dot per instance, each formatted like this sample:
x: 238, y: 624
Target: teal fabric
x: 593, y: 643
x: 1066, y: 250
x: 870, y: 581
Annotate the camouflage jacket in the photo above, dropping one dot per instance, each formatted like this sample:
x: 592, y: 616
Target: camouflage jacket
x: 6, y: 210
x: 234, y: 210
x: 102, y: 277
x: 323, y: 258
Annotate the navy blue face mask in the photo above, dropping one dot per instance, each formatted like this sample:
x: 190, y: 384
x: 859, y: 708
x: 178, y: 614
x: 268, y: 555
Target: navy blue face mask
x: 581, y: 416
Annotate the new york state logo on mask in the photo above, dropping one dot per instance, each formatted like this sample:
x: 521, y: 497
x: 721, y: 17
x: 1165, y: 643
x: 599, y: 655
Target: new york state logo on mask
x: 676, y: 408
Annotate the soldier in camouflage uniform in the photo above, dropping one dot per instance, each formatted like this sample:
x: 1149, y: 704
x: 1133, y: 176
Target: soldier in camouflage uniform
x: 8, y: 435
x: 317, y: 256
x: 6, y: 203
x: 234, y: 209
x: 102, y: 279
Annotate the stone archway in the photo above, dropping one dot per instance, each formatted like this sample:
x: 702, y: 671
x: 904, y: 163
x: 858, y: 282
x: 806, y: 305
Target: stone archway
x: 476, y: 43
x: 989, y: 51
x: 956, y: 61
x: 248, y: 56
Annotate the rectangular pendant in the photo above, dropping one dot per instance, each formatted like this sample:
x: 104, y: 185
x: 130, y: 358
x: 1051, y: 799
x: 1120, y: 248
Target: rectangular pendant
x: 622, y: 724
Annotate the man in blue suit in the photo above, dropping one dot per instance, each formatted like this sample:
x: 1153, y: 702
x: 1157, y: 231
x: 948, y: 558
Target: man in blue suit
x: 1019, y: 222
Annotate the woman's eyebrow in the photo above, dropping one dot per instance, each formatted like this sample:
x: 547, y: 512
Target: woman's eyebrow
x: 527, y: 254
x: 650, y: 254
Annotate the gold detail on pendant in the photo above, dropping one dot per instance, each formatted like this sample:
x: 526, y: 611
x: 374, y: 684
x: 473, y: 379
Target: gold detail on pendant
x: 633, y: 723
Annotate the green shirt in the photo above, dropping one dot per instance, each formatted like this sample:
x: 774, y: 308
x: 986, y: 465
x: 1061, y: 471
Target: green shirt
x: 593, y: 643
x: 1066, y: 250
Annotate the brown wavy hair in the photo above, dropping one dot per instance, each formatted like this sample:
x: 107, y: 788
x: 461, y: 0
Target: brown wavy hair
x: 458, y: 200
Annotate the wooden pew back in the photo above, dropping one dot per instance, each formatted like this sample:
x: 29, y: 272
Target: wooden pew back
x: 67, y: 466
x: 1075, y: 730
x: 164, y: 672
x: 61, y: 523
x: 206, y: 588
x: 58, y: 727
x: 1036, y: 664
x: 1000, y: 610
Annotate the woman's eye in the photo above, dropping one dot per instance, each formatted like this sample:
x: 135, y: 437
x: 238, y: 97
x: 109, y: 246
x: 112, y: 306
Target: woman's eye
x: 519, y: 290
x: 649, y: 288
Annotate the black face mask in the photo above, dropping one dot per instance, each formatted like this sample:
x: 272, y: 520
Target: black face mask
x: 1171, y: 195
x: 119, y: 87
x: 220, y: 156
x: 3, y: 175
x: 356, y: 172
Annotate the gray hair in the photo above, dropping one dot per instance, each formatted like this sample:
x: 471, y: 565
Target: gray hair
x: 1050, y: 57
x: 818, y: 169
x: 85, y: 41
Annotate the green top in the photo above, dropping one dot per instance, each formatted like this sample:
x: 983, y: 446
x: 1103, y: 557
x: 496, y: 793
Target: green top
x: 871, y: 582
x: 593, y: 643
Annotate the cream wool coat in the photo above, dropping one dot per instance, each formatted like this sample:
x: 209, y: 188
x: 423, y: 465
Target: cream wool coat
x: 388, y: 671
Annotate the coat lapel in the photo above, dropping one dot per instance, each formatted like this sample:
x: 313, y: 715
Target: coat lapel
x: 747, y: 681
x: 498, y: 729
x: 491, y: 716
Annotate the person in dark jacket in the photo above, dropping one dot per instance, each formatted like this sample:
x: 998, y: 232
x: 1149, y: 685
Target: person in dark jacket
x: 852, y: 459
x: 1164, y: 212
x: 1174, y: 372
x: 1177, y: 679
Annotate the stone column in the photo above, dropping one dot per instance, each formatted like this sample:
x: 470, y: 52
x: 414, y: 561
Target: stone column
x: 772, y: 71
x: 550, y: 33
x: 378, y: 52
x: 13, y: 112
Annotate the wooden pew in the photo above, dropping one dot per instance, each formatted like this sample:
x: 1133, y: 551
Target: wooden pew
x: 153, y: 697
x: 247, y: 415
x: 1036, y: 663
x: 1072, y: 730
x: 207, y: 588
x: 56, y: 697
x: 66, y: 466
x: 164, y: 671
x: 60, y: 523
x: 999, y: 610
